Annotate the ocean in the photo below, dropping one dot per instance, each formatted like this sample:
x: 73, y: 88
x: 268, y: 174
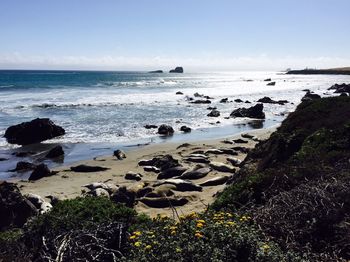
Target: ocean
x: 101, y: 110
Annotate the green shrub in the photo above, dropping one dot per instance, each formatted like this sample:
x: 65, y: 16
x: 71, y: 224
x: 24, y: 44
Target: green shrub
x: 204, y: 237
x: 80, y: 213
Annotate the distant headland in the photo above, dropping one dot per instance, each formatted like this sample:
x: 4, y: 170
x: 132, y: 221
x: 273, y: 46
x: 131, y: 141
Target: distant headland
x: 331, y: 71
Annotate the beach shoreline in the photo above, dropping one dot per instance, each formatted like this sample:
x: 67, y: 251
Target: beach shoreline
x: 68, y: 184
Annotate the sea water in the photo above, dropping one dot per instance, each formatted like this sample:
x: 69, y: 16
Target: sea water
x: 106, y: 109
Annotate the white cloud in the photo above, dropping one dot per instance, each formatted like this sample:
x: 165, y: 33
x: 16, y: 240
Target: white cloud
x: 206, y: 63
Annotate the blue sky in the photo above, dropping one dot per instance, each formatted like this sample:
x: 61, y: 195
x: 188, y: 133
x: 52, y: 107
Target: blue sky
x: 152, y: 34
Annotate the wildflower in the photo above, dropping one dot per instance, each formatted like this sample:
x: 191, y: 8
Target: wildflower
x: 132, y: 237
x: 201, y: 221
x: 229, y: 215
x: 148, y: 247
x: 173, y: 232
x: 178, y: 250
x: 199, y: 225
x: 137, y: 244
x: 173, y: 228
x: 182, y: 217
x: 198, y: 235
x: 137, y: 233
x: 265, y: 247
x: 231, y: 223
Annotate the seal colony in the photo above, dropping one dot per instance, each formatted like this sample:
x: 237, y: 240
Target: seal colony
x: 153, y: 179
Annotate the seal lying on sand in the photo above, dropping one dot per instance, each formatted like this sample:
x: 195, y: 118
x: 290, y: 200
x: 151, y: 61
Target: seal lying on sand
x: 163, y: 202
x: 172, y: 172
x: 181, y: 185
x: 215, y: 181
x: 196, y: 173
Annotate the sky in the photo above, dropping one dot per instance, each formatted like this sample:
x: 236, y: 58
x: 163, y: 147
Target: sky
x: 200, y: 35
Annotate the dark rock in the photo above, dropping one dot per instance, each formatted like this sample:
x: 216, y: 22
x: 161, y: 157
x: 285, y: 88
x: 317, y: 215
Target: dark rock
x: 178, y: 69
x: 268, y: 100
x: 201, y: 102
x: 306, y: 90
x: 3, y: 159
x: 55, y: 152
x: 214, y: 113
x: 238, y: 100
x: 211, y: 108
x: 15, y: 209
x: 224, y: 100
x: 197, y: 95
x: 252, y: 112
x: 340, y: 88
x: 310, y: 96
x: 35, y: 131
x: 247, y: 102
x: 23, y: 154
x: 23, y: 166
x: 165, y: 130
x: 185, y: 129
x: 271, y: 84
x: 150, y: 126
x: 156, y: 72
x: 119, y: 154
x: 40, y: 171
x: 343, y: 94
x: 179, y: 93
x: 87, y: 169
x: 267, y: 80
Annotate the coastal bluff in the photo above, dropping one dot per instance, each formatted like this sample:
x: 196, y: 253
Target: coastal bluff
x: 332, y: 71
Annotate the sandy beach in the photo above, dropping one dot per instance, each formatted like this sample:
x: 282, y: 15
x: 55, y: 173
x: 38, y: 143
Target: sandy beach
x: 68, y: 184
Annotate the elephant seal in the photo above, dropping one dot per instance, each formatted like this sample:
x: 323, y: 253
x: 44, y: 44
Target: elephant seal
x: 162, y: 191
x: 181, y: 185
x: 215, y: 181
x: 163, y: 202
x: 151, y: 169
x: 234, y: 161
x: 99, y: 192
x: 87, y: 169
x: 119, y: 154
x: 197, y: 173
x: 218, y: 166
x: 133, y: 176
x: 172, y: 172
x: 197, y: 159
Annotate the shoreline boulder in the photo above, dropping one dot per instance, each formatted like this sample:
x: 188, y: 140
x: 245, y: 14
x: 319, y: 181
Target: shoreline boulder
x: 251, y: 112
x: 165, y: 130
x: 32, y: 132
x: 178, y: 69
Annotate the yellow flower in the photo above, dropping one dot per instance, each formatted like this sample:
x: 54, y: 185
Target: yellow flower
x: 182, y: 217
x: 173, y: 232
x: 173, y: 228
x: 199, y: 225
x: 201, y: 221
x: 137, y: 244
x: 231, y: 223
x: 132, y: 237
x: 229, y: 215
x: 137, y: 233
x: 163, y: 216
x: 178, y: 250
x: 265, y: 247
x: 148, y: 247
x: 198, y: 235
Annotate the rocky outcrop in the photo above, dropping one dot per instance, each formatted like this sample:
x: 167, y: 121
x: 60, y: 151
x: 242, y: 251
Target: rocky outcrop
x: 251, y: 112
x: 340, y: 88
x: 165, y: 130
x: 271, y: 84
x: 310, y: 96
x: 214, y: 113
x: 14, y: 208
x: 23, y: 166
x: 268, y: 100
x: 55, y: 152
x: 41, y: 171
x: 178, y: 69
x: 185, y: 129
x: 35, y: 131
x: 156, y: 72
x: 150, y: 126
x: 200, y: 101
